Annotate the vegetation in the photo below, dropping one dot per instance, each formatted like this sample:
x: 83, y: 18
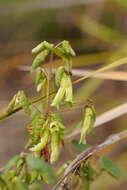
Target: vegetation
x: 32, y: 169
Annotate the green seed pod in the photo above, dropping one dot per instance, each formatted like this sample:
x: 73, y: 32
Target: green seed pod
x: 39, y: 59
x: 44, y: 140
x: 42, y: 46
x: 59, y: 97
x: 48, y: 45
x: 58, y: 75
x: 88, y: 121
x: 35, y: 128
x: 67, y: 48
x: 65, y: 91
x: 54, y: 147
x: 11, y: 105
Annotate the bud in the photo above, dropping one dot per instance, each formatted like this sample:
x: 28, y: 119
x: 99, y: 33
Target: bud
x: 88, y: 121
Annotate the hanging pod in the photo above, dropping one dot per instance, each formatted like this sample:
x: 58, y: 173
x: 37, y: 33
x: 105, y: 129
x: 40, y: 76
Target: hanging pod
x: 35, y: 128
x: 67, y: 48
x: 42, y: 46
x: 65, y: 92
x: 57, y: 136
x: 40, y: 58
x: 89, y: 117
x: 43, y: 142
x: 54, y: 147
x: 41, y: 79
x: 58, y: 75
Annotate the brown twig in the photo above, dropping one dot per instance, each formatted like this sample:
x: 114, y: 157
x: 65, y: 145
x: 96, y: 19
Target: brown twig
x: 91, y: 151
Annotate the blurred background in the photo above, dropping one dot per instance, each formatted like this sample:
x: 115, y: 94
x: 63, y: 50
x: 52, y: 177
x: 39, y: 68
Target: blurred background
x: 97, y: 30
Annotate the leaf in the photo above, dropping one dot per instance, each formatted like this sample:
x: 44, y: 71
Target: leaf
x: 35, y: 186
x: 80, y: 147
x: 45, y: 170
x: 85, y: 185
x: 19, y: 185
x: 111, y: 167
x: 105, y: 68
x: 12, y: 162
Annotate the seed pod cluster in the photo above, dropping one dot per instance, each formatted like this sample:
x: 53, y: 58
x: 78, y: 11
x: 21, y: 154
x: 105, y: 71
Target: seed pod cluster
x: 46, y: 132
x: 89, y: 117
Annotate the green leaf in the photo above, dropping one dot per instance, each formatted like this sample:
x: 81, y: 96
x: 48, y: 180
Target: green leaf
x: 85, y: 185
x: 80, y: 147
x: 19, y: 185
x: 45, y: 170
x: 35, y: 186
x: 111, y: 167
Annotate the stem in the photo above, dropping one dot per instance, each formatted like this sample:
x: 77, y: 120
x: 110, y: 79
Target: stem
x: 48, y: 84
x: 5, y: 115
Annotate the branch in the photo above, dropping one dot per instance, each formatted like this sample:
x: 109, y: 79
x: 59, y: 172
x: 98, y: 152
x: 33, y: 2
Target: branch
x: 5, y: 115
x: 110, y: 75
x: 102, y: 69
x: 88, y: 153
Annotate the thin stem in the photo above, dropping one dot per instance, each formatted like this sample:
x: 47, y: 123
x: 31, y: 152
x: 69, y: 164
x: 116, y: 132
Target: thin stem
x: 35, y: 100
x: 48, y: 84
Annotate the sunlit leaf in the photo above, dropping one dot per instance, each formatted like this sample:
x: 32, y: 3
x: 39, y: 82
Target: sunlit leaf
x: 111, y: 167
x: 80, y: 147
x: 45, y: 170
